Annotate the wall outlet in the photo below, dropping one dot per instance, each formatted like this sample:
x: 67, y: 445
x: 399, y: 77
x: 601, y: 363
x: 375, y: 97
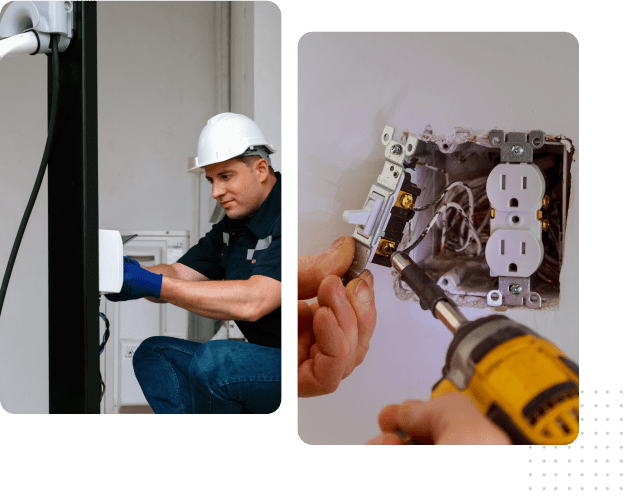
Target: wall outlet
x: 515, y: 246
x: 515, y: 187
x: 128, y: 352
x: 514, y: 253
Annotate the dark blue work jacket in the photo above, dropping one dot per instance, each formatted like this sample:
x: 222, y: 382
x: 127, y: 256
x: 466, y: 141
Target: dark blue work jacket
x: 236, y: 249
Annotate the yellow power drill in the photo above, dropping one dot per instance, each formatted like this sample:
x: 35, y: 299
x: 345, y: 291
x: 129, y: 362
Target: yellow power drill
x: 519, y: 380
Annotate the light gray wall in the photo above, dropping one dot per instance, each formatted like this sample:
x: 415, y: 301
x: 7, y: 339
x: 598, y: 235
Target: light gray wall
x: 350, y: 87
x: 256, y: 68
x: 156, y: 86
x: 267, y: 36
x: 242, y: 58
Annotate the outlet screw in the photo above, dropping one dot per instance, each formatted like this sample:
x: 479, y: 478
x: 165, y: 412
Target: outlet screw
x: 67, y: 6
x: 545, y: 202
x: 515, y: 288
x: 386, y: 248
x: 397, y: 149
x: 406, y: 201
x: 545, y: 225
x: 518, y: 150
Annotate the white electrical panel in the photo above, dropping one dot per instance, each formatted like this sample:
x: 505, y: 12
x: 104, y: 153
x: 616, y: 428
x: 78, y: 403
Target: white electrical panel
x: 133, y: 321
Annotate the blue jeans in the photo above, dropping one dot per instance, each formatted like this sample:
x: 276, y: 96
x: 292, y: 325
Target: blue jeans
x: 180, y: 376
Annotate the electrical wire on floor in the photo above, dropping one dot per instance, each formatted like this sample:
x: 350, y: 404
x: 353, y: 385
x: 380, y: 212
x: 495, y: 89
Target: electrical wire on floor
x: 52, y: 131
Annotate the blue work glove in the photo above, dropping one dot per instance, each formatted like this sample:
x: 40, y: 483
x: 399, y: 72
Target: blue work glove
x: 138, y: 283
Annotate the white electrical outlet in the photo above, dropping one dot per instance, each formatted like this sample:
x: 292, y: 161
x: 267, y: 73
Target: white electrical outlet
x: 515, y: 187
x: 515, y: 246
x: 514, y: 253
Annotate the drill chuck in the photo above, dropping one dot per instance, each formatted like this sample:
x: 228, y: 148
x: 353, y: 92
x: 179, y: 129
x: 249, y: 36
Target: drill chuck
x: 432, y: 296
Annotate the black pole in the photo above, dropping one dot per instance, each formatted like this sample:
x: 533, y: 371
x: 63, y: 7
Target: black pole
x: 73, y: 333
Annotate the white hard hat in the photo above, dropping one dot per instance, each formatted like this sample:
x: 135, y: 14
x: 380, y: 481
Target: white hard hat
x: 227, y: 136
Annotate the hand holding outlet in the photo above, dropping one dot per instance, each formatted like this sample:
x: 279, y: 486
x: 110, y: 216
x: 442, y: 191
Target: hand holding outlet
x: 138, y: 283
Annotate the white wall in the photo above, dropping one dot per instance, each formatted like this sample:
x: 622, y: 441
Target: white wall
x: 256, y: 68
x: 156, y: 89
x: 350, y: 87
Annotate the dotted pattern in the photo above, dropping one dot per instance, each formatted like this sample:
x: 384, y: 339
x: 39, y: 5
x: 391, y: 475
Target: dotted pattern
x: 596, y: 462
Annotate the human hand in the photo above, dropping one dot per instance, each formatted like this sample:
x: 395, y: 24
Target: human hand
x: 334, y: 332
x: 448, y: 419
x: 138, y: 283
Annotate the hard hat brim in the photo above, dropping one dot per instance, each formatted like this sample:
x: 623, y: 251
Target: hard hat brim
x: 270, y: 148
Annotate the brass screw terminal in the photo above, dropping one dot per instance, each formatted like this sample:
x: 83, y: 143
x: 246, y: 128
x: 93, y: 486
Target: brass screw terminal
x: 545, y: 225
x: 492, y: 213
x: 407, y: 202
x: 385, y: 248
x: 545, y: 202
x: 404, y: 200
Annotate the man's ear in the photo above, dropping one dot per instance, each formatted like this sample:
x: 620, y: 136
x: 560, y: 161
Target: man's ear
x: 261, y: 167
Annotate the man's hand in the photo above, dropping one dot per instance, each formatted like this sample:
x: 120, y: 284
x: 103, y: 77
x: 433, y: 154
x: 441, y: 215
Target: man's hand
x: 448, y: 419
x: 334, y: 332
x: 138, y: 283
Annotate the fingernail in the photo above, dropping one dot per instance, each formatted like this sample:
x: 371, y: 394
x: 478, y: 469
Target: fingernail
x: 377, y: 440
x: 362, y: 291
x: 336, y: 244
x: 332, y: 316
x: 341, y: 290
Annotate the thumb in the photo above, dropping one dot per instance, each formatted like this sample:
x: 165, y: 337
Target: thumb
x: 313, y: 269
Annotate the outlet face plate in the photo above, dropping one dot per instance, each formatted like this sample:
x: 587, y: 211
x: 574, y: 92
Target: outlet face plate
x: 515, y: 246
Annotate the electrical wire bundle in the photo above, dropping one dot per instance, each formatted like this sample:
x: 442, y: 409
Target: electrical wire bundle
x: 454, y: 218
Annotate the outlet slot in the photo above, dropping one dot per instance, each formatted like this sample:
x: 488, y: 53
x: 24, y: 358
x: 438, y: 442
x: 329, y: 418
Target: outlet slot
x: 522, y: 248
x: 512, y: 267
x: 502, y: 247
x: 513, y: 203
x: 524, y: 182
x: 503, y: 182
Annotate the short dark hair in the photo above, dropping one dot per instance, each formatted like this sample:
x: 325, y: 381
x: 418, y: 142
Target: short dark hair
x: 249, y: 160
